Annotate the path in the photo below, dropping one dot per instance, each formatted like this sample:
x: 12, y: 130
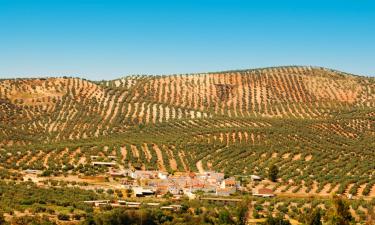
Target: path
x: 200, y: 166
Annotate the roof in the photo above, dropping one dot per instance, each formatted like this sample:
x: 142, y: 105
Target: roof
x: 265, y: 191
x: 152, y: 172
x: 225, y: 190
x: 227, y: 182
x: 192, y: 174
x: 230, y: 181
x: 256, y: 177
x: 103, y: 163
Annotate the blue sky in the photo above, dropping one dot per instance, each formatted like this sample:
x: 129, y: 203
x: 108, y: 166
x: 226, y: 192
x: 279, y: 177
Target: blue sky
x: 108, y: 39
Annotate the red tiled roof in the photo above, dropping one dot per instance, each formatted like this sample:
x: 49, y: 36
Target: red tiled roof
x: 265, y: 191
x: 192, y: 174
x: 228, y: 182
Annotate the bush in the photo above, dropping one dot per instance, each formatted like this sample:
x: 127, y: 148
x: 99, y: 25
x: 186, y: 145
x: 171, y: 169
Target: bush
x: 62, y: 216
x: 273, y: 172
x: 77, y: 216
x: 276, y: 221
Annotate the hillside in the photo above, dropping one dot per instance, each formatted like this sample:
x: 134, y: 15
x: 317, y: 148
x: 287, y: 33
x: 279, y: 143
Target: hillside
x: 316, y: 124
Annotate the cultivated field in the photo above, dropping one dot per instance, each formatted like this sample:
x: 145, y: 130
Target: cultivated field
x: 317, y: 125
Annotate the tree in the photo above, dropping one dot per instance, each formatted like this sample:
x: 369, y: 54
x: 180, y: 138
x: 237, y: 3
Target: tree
x: 314, y: 218
x: 273, y: 172
x: 241, y: 212
x: 110, y: 191
x: 62, y: 216
x: 276, y: 221
x: 31, y: 220
x: 339, y: 214
x: 2, y: 218
x: 224, y: 217
x: 370, y: 217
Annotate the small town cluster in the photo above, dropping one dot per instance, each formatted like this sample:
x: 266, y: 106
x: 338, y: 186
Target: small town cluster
x: 143, y: 183
x: 159, y: 183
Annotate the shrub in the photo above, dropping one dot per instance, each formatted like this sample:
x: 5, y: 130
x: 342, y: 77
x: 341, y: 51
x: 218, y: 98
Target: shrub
x: 62, y: 216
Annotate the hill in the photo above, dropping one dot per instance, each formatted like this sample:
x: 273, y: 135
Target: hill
x: 316, y: 124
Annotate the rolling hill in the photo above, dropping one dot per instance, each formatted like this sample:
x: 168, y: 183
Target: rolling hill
x: 316, y: 124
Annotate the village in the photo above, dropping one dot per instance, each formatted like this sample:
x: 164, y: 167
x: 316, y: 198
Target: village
x: 209, y: 185
x: 153, y: 183
x: 159, y: 183
x: 128, y: 187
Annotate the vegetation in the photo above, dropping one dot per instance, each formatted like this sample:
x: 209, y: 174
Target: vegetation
x: 339, y: 214
x: 300, y: 119
x: 202, y: 214
x: 309, y: 128
x: 27, y: 197
x: 273, y: 172
x: 315, y: 218
x: 276, y: 221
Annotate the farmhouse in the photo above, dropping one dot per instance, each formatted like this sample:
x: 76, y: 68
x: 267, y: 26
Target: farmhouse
x: 255, y: 178
x: 103, y: 163
x: 172, y: 207
x: 225, y: 191
x: 140, y: 174
x: 117, y: 173
x: 141, y: 191
x: 264, y: 192
x: 211, y: 177
x: 162, y: 175
x: 113, y: 157
x: 229, y: 183
x: 129, y: 204
x: 97, y: 203
x: 30, y: 171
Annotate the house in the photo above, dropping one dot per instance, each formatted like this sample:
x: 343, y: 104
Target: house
x: 160, y: 186
x: 97, y: 203
x: 129, y: 204
x: 30, y: 171
x: 202, y: 188
x: 117, y: 173
x: 162, y: 189
x: 225, y: 191
x: 140, y: 174
x: 264, y: 192
x: 172, y: 207
x: 192, y: 175
x: 229, y: 183
x: 162, y: 175
x: 121, y: 202
x: 189, y: 194
x: 127, y: 183
x: 153, y: 204
x: 211, y: 174
x: 180, y: 174
x: 255, y: 178
x: 174, y: 190
x: 211, y: 177
x: 142, y: 191
x: 103, y: 163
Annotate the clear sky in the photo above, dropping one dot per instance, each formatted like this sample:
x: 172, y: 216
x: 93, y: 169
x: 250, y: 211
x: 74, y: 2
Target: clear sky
x: 108, y: 39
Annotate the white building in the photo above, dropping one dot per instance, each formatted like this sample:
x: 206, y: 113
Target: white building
x: 255, y: 178
x: 163, y: 175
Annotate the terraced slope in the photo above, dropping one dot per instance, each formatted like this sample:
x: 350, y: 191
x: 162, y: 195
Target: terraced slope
x: 316, y: 124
